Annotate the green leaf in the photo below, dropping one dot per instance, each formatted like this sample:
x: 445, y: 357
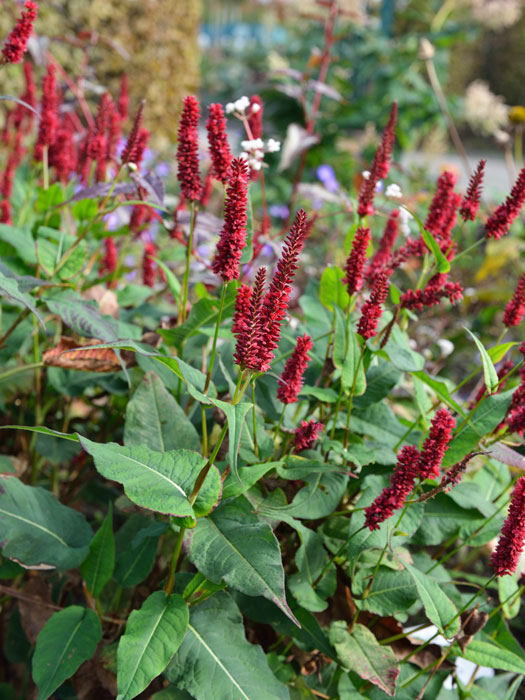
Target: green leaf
x: 136, y: 548
x: 52, y: 245
x: 98, y: 568
x: 43, y: 431
x: 401, y: 354
x: 492, y: 655
x: 487, y: 416
x: 248, y: 476
x: 9, y: 288
x: 489, y: 371
x: 498, y: 352
x: 154, y: 419
x: 37, y: 529
x: 508, y: 586
x: 391, y: 591
x: 150, y: 479
x: 21, y: 239
x: 173, y: 282
x: 324, y: 489
x: 439, y: 608
x: 215, y: 648
x: 203, y: 314
x: 234, y: 545
x: 360, y: 652
x: 332, y: 290
x: 440, y: 389
x: 68, y: 639
x: 84, y: 318
x: 235, y: 416
x: 347, y: 355
x: 442, y: 264
x: 153, y: 634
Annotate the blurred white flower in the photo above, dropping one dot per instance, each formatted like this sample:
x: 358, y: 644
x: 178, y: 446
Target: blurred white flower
x: 230, y: 107
x: 366, y: 174
x: 273, y: 146
x: 255, y: 108
x: 393, y: 190
x: 496, y: 14
x: 485, y: 112
x: 404, y: 218
x: 253, y: 145
x: 446, y: 347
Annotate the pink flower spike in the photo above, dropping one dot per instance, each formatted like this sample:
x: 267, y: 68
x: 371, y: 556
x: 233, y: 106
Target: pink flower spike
x: 241, y: 316
x: 505, y: 558
x: 16, y: 43
x: 372, y: 309
x: 188, y: 150
x: 470, y: 203
x: 436, y: 444
x: 219, y: 147
x: 355, y: 263
x: 306, y: 434
x: 48, y: 113
x: 247, y: 349
x: 501, y: 220
x: 291, y: 379
x: 515, y: 309
x: 130, y: 152
x: 148, y: 264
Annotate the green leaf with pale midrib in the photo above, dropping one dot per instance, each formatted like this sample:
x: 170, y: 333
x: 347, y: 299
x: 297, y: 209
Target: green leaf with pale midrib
x: 439, y: 608
x: 100, y: 563
x: 153, y: 634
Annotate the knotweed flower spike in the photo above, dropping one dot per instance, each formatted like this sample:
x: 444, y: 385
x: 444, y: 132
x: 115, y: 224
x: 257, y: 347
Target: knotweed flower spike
x: 355, y: 263
x: 384, y: 249
x: 109, y: 261
x: 394, y: 496
x: 62, y: 153
x: 291, y: 379
x: 505, y: 557
x: 255, y: 117
x: 432, y: 294
x: 219, y: 147
x: 48, y: 113
x: 436, y: 444
x: 372, y: 309
x: 306, y: 434
x: 470, y: 203
x: 499, y: 223
x: 130, y: 152
x: 188, y: 150
x: 515, y: 309
x: 123, y: 100
x: 232, y: 240
x: 248, y: 348
x: 439, y: 210
x: 241, y: 315
x: 16, y: 43
x: 148, y: 264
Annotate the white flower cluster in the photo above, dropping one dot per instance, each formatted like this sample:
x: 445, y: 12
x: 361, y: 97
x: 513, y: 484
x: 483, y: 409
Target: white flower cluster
x: 404, y: 218
x: 239, y: 105
x: 394, y: 191
x: 485, y: 112
x: 254, y: 150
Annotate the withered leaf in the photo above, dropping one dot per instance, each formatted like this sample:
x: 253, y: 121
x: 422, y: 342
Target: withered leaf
x: 66, y: 356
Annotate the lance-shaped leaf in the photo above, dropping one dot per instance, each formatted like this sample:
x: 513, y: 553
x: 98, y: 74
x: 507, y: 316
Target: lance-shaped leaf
x: 235, y: 416
x: 150, y: 479
x: 492, y: 655
x: 360, y: 652
x: 38, y: 530
x: 153, y: 634
x: 154, y: 419
x: 98, y: 567
x: 234, y: 545
x: 490, y: 375
x: 68, y: 639
x: 9, y: 288
x: 439, y: 608
x: 215, y: 647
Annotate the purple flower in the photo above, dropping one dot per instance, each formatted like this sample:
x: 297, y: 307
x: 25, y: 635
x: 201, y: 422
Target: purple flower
x: 163, y: 169
x: 326, y: 174
x: 279, y: 211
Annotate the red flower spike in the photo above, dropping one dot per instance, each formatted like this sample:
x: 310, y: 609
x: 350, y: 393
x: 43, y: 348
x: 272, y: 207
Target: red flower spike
x: 291, y: 379
x: 434, y: 292
x: 114, y: 132
x: 188, y: 150
x: 148, y: 264
x: 247, y: 349
x: 123, y: 99
x: 62, y: 154
x: 226, y: 262
x: 440, y: 205
x: 241, y: 315
x: 48, y: 114
x: 379, y: 168
x: 306, y: 434
x: 515, y: 309
x: 275, y: 302
x: 16, y: 43
x: 22, y: 117
x: 394, y: 496
x: 501, y: 220
x: 470, y: 203
x: 5, y: 212
x: 129, y: 154
x: 372, y: 309
x: 384, y: 249
x: 142, y: 142
x: 140, y: 216
x: 219, y: 147
x: 109, y: 261
x: 505, y: 557
x: 355, y: 263
x: 436, y: 444
x: 206, y: 190
x: 255, y: 117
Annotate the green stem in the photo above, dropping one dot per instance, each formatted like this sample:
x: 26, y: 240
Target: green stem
x: 204, y: 432
x: 215, y: 336
x: 45, y: 164
x: 334, y: 557
x: 254, y: 424
x: 185, y: 281
x: 170, y: 582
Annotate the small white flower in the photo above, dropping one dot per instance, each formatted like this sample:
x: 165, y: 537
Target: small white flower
x: 253, y: 145
x: 258, y: 154
x: 366, y: 174
x: 446, y: 347
x: 393, y: 190
x: 255, y: 164
x: 244, y: 155
x: 230, y: 107
x: 404, y: 216
x: 241, y: 104
x: 255, y: 108
x: 273, y: 146
x: 379, y: 186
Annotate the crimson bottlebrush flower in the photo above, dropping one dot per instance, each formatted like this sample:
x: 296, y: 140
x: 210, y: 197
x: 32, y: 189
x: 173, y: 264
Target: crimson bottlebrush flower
x: 291, y: 379
x: 515, y: 309
x: 206, y: 190
x: 114, y: 131
x: 470, y: 203
x: 372, y: 309
x: 440, y: 205
x: 16, y: 43
x: 255, y: 117
x: 109, y: 260
x: 22, y: 117
x: 355, y: 263
x: 379, y: 168
x: 241, y: 316
x: 226, y: 262
x: 140, y: 216
x: 62, y: 153
x: 148, y: 265
x: 454, y: 475
x: 505, y: 557
x: 306, y: 434
x: 500, y: 221
x: 436, y: 444
x: 188, y: 149
x: 48, y: 113
x: 123, y: 98
x: 142, y: 142
x: 384, y: 249
x: 432, y: 294
x: 516, y: 419
x: 220, y: 153
x: 129, y: 154
x: 248, y: 347
x: 5, y: 212
x: 448, y: 222
x: 275, y: 302
x: 394, y: 496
